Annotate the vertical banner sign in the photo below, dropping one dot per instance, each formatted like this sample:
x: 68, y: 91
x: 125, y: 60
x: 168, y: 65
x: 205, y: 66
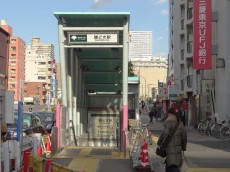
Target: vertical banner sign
x: 202, y: 31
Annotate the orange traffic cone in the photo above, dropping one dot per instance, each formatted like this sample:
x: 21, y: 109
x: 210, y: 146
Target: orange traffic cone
x: 48, y: 147
x: 48, y: 165
x: 49, y: 138
x: 145, y: 157
x: 39, y: 150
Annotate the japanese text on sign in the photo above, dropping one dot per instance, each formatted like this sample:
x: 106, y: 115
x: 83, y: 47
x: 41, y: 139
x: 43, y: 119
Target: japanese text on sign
x: 202, y: 34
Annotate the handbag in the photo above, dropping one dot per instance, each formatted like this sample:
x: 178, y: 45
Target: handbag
x: 161, y: 150
x: 184, y: 165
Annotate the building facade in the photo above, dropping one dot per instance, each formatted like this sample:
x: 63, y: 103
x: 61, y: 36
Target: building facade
x: 150, y: 71
x: 39, y: 67
x: 204, y: 89
x: 16, y: 65
x: 4, y: 51
x: 140, y: 44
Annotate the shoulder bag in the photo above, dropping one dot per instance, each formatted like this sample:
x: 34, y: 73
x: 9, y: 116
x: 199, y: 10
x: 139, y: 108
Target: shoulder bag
x: 161, y: 150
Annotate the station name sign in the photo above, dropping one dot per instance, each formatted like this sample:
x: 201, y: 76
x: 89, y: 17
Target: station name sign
x: 93, y: 38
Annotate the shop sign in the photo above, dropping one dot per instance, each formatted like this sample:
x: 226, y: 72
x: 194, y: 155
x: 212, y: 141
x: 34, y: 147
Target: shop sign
x: 173, y: 92
x: 206, y: 97
x: 196, y: 88
x: 93, y: 38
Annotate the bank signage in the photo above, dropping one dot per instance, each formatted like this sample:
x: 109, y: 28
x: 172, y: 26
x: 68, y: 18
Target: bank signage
x: 202, y: 31
x: 93, y: 38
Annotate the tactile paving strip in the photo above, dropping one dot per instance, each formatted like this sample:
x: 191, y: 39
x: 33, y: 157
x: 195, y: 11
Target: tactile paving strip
x: 70, y: 152
x: 87, y: 165
x: 101, y: 152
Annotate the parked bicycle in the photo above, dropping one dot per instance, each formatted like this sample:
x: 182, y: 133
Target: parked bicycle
x: 210, y: 127
x: 215, y: 129
x: 204, y: 127
x: 225, y: 131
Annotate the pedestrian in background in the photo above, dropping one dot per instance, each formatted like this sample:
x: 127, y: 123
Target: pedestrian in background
x: 177, y: 144
x: 142, y: 104
x: 182, y: 115
x: 151, y: 115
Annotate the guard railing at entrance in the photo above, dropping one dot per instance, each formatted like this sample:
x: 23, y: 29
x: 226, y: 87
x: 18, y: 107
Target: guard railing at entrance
x: 70, y: 132
x: 40, y: 164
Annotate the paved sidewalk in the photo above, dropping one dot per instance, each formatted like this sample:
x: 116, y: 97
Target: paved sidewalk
x: 204, y: 153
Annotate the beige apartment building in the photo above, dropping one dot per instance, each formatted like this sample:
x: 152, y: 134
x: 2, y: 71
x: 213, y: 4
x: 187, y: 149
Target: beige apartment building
x: 39, y: 69
x: 16, y: 65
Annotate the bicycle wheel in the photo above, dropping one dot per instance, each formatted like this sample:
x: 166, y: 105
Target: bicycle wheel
x: 208, y: 130
x: 201, y: 127
x: 215, y: 130
x: 225, y: 132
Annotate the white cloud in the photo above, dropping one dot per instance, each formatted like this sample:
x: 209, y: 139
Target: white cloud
x: 160, y: 1
x: 164, y: 12
x: 160, y: 38
x: 99, y: 3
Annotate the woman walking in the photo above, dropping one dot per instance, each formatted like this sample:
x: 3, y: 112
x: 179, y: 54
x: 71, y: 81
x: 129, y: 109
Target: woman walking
x: 177, y: 143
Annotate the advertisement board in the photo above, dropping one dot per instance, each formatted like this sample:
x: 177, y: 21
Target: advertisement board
x: 206, y: 98
x: 103, y: 126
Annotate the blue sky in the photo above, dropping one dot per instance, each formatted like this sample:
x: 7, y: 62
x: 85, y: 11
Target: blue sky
x: 30, y: 18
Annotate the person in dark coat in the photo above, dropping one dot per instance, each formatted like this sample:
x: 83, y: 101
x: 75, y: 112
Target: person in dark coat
x: 142, y: 104
x: 151, y: 115
x: 177, y: 144
x: 182, y: 115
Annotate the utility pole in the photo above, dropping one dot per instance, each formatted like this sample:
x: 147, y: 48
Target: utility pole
x: 20, y: 90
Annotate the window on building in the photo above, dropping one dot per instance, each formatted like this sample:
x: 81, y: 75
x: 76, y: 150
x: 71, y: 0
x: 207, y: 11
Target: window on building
x: 41, y: 69
x: 41, y: 63
x: 41, y: 77
x: 13, y: 56
x: 190, y: 13
x: 13, y: 48
x: 13, y: 63
x: 189, y: 46
x: 13, y: 41
x: 12, y: 86
x: 12, y: 71
x: 12, y: 78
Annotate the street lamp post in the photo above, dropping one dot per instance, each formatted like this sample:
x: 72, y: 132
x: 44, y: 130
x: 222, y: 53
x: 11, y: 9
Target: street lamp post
x: 148, y: 89
x: 145, y: 85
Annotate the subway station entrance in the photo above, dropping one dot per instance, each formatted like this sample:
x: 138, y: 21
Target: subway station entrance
x: 94, y: 71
